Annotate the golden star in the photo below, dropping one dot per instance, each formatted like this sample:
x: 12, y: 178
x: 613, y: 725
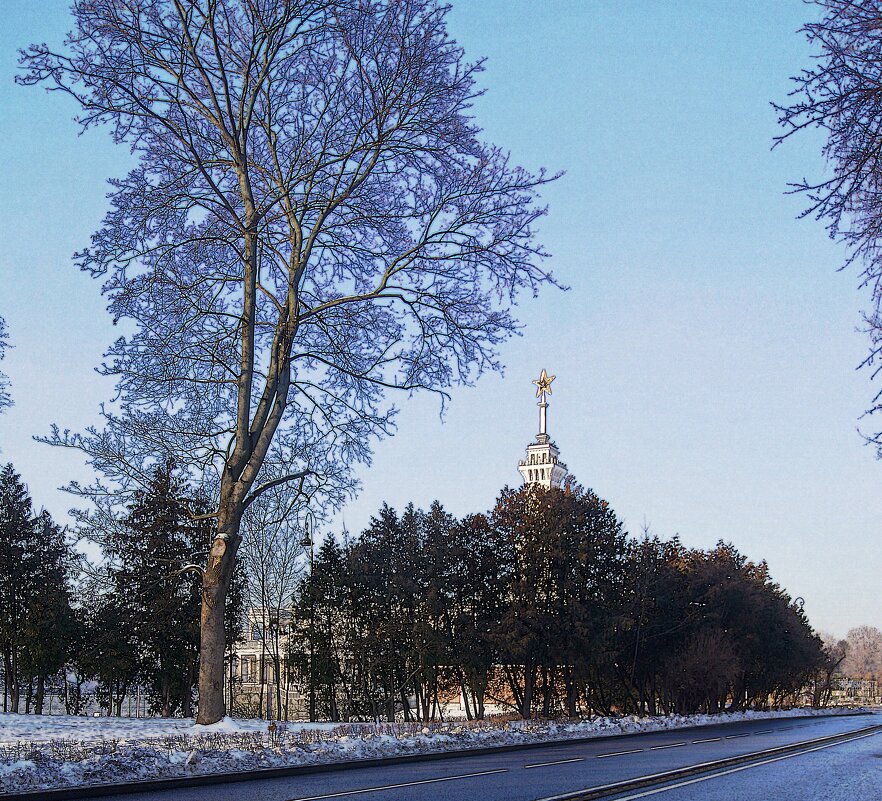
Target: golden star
x: 543, y: 383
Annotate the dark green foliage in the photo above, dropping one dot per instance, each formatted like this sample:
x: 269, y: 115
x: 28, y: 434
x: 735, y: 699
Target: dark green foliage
x: 109, y: 652
x: 566, y: 550
x: 709, y: 630
x: 546, y: 606
x: 140, y: 620
x: 36, y: 621
x: 156, y: 597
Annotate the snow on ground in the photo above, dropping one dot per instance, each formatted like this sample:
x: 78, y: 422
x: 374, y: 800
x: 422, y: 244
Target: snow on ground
x: 40, y: 728
x: 41, y: 752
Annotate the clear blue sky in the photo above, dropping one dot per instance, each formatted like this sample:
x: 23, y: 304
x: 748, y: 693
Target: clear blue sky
x: 705, y: 355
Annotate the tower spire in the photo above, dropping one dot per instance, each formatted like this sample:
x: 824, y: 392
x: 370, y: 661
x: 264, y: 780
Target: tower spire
x: 543, y: 388
x: 542, y: 465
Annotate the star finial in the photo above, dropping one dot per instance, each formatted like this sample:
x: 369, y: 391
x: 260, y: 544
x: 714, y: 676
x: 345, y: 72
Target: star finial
x: 543, y: 383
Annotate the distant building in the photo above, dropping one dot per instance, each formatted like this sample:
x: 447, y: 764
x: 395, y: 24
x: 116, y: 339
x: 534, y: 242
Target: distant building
x: 259, y: 681
x: 854, y: 692
x: 542, y: 465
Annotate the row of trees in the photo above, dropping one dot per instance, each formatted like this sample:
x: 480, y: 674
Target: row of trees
x: 544, y: 604
x: 131, y: 620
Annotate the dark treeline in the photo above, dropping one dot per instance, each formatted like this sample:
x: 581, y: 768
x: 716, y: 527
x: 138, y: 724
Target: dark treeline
x: 544, y: 605
x: 122, y: 630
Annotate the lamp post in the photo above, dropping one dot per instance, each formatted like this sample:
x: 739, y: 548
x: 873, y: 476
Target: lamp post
x: 308, y: 541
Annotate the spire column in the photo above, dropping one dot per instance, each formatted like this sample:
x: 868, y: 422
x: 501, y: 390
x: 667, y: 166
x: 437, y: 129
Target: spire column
x: 543, y: 466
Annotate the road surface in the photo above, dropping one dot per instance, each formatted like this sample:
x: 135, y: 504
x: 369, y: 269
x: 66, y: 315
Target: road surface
x: 851, y: 771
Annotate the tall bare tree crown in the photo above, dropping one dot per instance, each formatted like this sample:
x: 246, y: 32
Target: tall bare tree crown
x: 313, y: 219
x: 839, y: 94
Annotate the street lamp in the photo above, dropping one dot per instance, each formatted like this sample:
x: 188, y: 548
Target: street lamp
x: 308, y: 541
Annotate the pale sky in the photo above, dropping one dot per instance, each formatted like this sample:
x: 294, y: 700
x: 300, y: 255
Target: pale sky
x: 705, y: 354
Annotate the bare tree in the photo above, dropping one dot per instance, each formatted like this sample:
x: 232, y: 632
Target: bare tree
x: 312, y: 220
x: 840, y: 95
x: 823, y: 684
x: 863, y: 653
x: 272, y: 553
x: 5, y: 397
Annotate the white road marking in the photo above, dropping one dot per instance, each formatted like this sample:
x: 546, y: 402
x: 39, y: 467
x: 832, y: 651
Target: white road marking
x: 620, y: 753
x: 403, y: 784
x: 709, y: 740
x: 558, y: 762
x: 659, y: 747
x: 735, y: 736
x: 740, y: 768
x: 764, y: 731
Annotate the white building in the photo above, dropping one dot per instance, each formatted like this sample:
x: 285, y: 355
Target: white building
x: 542, y: 465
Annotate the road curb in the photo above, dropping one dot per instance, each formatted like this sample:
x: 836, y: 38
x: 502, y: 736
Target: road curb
x: 201, y: 780
x: 656, y: 779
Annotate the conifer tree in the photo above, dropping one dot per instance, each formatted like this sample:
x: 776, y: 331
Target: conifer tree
x: 155, y: 592
x: 15, y: 529
x: 48, y: 626
x: 566, y: 585
x: 36, y: 565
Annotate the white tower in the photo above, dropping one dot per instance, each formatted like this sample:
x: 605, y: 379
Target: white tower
x: 542, y: 465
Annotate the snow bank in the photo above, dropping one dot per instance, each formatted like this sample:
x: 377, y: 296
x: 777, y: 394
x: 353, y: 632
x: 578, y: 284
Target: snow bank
x: 49, y: 752
x: 42, y: 728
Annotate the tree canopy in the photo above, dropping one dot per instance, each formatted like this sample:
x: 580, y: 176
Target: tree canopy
x: 546, y: 606
x: 313, y: 219
x: 839, y: 94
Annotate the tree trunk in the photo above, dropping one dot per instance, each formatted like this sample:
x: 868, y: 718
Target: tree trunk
x: 529, y: 685
x: 41, y: 691
x: 121, y: 688
x: 7, y: 670
x: 165, y: 694
x: 212, y: 635
x: 277, y: 669
x: 571, y: 691
x: 465, y: 696
x: 13, y: 679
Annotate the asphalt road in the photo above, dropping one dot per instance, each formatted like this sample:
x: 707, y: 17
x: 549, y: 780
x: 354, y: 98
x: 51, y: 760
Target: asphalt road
x: 540, y: 773
x: 849, y: 771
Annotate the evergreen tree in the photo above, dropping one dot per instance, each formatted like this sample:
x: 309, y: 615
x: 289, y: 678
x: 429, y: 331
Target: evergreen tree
x: 111, y: 653
x: 476, y: 584
x: 320, y: 646
x: 48, y: 626
x: 566, y: 591
x: 16, y: 527
x: 155, y: 591
x: 36, y: 620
